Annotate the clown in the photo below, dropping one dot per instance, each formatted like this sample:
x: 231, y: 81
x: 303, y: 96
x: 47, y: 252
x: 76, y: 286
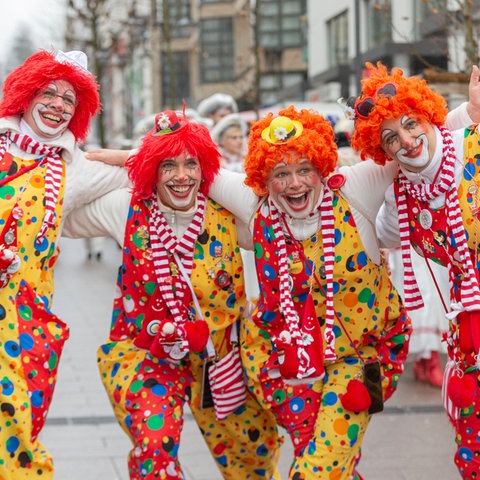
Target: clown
x: 180, y: 293
x: 47, y: 105
x: 327, y: 311
x: 432, y: 205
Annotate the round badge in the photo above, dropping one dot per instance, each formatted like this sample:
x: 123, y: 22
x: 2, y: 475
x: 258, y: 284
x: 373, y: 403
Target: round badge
x: 336, y: 181
x: 152, y: 327
x: 425, y: 218
x: 472, y: 189
x: 9, y: 237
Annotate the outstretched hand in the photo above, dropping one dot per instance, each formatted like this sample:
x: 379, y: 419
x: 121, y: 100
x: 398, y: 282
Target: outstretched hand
x: 473, y: 105
x: 109, y: 156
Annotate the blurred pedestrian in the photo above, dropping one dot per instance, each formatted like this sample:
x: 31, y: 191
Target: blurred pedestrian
x: 46, y: 109
x: 230, y: 134
x: 216, y: 107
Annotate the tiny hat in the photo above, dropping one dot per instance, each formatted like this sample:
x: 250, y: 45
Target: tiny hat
x: 282, y: 129
x: 218, y: 100
x: 233, y: 119
x: 75, y: 57
x: 167, y: 122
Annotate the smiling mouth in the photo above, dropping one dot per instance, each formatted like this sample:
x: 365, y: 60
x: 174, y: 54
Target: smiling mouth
x: 52, y: 118
x: 297, y: 201
x: 180, y: 190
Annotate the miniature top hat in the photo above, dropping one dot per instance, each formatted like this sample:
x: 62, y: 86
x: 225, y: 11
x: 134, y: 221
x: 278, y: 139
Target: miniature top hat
x: 167, y: 122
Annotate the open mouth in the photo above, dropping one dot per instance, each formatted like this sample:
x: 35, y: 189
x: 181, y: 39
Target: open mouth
x: 297, y: 201
x: 180, y: 190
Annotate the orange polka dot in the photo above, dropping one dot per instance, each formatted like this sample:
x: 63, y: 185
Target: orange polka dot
x: 340, y: 426
x: 350, y: 300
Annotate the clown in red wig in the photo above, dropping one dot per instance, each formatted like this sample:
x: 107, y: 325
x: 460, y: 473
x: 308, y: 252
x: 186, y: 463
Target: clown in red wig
x: 181, y: 294
x: 46, y: 109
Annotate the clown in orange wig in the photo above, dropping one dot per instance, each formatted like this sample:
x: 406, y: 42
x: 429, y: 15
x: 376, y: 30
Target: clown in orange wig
x: 313, y: 331
x: 406, y: 95
x: 432, y: 205
x: 46, y: 108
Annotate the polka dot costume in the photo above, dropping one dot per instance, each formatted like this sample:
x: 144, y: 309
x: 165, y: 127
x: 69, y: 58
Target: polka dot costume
x: 327, y: 437
x: 148, y: 394
x: 31, y: 336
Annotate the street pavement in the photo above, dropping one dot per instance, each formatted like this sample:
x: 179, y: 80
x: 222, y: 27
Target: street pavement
x: 410, y: 440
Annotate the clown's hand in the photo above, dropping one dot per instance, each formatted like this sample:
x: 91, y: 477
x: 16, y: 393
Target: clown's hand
x: 109, y: 156
x: 473, y: 105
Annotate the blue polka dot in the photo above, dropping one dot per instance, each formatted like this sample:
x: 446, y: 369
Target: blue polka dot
x: 12, y: 348
x: 465, y: 454
x: 26, y: 341
x: 159, y: 390
x: 37, y: 398
x: 297, y: 405
x: 330, y: 399
x: 269, y: 272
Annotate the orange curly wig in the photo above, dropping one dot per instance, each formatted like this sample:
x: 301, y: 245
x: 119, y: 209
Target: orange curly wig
x: 193, y: 138
x: 413, y: 97
x: 316, y: 144
x: 38, y: 70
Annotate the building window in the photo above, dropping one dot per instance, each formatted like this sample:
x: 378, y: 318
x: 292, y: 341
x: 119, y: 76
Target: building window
x: 280, y: 23
x: 271, y: 83
x: 179, y: 17
x: 338, y: 39
x: 379, y: 22
x: 180, y: 78
x: 216, y: 45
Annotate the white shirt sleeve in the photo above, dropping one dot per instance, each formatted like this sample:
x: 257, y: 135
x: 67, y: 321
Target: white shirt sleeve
x: 104, y: 217
x: 387, y: 221
x: 230, y: 191
x: 88, y: 180
x: 458, y: 118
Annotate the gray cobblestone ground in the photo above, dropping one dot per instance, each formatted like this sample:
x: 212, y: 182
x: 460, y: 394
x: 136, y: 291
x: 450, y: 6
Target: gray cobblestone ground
x: 410, y: 440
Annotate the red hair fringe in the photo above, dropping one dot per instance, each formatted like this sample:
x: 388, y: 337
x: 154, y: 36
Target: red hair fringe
x: 316, y: 144
x: 38, y: 70
x: 193, y: 138
x: 414, y: 97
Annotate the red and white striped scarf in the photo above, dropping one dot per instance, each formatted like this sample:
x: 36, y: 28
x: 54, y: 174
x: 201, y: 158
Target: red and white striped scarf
x: 163, y: 241
x: 470, y: 291
x: 286, y: 301
x: 53, y: 177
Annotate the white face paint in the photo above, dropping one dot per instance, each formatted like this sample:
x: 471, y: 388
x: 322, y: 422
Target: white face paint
x: 404, y: 155
x: 409, y: 142
x: 51, y: 110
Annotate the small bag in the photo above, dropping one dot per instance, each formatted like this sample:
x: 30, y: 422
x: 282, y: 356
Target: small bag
x: 227, y: 383
x: 223, y: 380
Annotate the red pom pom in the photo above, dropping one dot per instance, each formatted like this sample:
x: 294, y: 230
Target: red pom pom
x: 289, y: 366
x: 461, y: 390
x: 197, y: 333
x: 356, y: 398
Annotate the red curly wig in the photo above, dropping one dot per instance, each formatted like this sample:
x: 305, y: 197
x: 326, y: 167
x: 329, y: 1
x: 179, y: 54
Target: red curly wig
x: 38, y: 70
x: 413, y: 97
x: 316, y: 143
x: 193, y: 138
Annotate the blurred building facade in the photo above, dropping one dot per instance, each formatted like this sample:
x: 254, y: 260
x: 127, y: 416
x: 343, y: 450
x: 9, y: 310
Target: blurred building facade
x: 153, y: 54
